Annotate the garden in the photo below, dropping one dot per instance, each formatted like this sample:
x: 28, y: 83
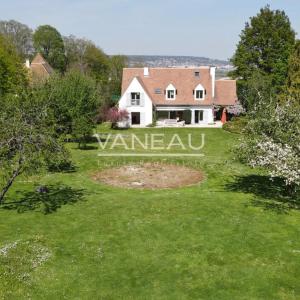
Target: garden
x: 233, y: 235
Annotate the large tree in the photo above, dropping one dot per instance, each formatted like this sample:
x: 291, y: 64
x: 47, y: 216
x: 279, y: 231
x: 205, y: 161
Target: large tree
x: 265, y: 46
x: 20, y: 35
x: 86, y: 57
x: 12, y: 71
x: 75, y: 52
x: 48, y: 41
x: 28, y: 140
x: 74, y: 99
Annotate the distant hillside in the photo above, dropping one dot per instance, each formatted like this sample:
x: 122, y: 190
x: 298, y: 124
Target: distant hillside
x: 170, y: 61
x: 223, y: 66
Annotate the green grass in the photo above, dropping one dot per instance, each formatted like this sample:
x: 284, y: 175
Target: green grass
x: 234, y: 236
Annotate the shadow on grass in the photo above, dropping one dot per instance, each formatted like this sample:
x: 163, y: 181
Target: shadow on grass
x: 47, y: 203
x: 270, y: 194
x: 87, y: 147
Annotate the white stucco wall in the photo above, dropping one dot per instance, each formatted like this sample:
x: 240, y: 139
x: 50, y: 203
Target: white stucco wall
x: 145, y: 110
x: 207, y: 115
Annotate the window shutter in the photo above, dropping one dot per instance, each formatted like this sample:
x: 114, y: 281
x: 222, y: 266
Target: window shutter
x: 193, y: 92
x: 176, y: 92
x: 128, y: 100
x: 165, y: 92
x: 205, y: 91
x: 142, y: 100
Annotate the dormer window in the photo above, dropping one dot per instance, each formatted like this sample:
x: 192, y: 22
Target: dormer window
x: 199, y: 92
x: 171, y: 92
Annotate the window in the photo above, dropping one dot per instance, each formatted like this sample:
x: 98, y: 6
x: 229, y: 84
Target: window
x: 199, y: 92
x: 199, y: 116
x: 135, y: 99
x: 171, y: 92
x: 197, y: 74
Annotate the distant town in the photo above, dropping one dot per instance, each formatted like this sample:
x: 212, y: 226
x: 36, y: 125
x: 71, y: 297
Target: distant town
x: 223, y: 66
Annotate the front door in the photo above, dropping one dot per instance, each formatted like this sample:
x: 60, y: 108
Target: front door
x: 135, y: 118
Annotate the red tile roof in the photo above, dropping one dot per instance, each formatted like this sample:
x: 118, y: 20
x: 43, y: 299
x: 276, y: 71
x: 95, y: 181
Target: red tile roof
x: 40, y: 69
x: 184, y: 80
x: 225, y: 92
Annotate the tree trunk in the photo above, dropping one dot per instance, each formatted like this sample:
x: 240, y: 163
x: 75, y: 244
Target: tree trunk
x: 10, y: 182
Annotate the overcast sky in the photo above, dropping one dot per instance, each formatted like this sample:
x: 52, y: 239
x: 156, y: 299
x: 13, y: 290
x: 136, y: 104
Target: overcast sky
x: 159, y: 27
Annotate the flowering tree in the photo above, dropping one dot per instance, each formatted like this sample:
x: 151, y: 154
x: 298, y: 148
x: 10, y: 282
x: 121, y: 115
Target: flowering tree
x: 115, y: 115
x: 272, y: 141
x: 236, y: 109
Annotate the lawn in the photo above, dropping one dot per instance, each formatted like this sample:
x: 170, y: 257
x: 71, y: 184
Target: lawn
x: 233, y: 236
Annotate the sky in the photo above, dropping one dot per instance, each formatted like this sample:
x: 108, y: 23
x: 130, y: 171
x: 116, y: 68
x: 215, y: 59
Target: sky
x: 208, y: 28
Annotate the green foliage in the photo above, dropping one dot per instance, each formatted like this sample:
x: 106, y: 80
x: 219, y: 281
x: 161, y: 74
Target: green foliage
x: 27, y: 137
x: 20, y: 35
x: 264, y: 48
x: 48, y: 41
x: 97, y: 63
x: 116, y: 65
x: 271, y: 140
x: 292, y: 89
x: 12, y: 72
x: 84, y: 56
x: 236, y: 124
x: 74, y: 99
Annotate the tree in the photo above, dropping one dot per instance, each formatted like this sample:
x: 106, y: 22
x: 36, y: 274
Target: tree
x: 12, y: 72
x: 28, y: 140
x: 264, y: 47
x: 20, y: 35
x: 292, y: 88
x: 74, y: 98
x: 86, y: 57
x: 116, y: 65
x: 75, y: 52
x: 97, y: 63
x: 115, y: 115
x: 271, y: 139
x: 48, y: 41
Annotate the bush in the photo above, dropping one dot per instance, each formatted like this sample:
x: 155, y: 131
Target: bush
x: 236, y: 125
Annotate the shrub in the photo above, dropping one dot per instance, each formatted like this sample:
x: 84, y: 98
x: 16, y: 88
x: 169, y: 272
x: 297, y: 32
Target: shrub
x: 236, y: 125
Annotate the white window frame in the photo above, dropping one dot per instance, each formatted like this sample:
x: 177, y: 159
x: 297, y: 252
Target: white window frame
x: 170, y: 88
x: 199, y: 87
x: 135, y: 101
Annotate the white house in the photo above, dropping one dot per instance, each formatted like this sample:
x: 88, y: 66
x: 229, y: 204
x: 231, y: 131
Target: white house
x: 183, y: 94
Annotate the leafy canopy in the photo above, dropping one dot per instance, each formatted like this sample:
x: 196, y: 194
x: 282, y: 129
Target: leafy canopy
x: 48, y: 41
x: 20, y: 35
x: 12, y: 72
x: 28, y: 140
x: 74, y: 99
x: 264, y: 47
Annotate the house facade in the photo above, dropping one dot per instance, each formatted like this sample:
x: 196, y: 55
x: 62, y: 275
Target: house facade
x: 183, y: 94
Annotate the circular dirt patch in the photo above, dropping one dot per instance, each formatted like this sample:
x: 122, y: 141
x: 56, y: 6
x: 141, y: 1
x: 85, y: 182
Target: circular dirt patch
x: 149, y: 176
